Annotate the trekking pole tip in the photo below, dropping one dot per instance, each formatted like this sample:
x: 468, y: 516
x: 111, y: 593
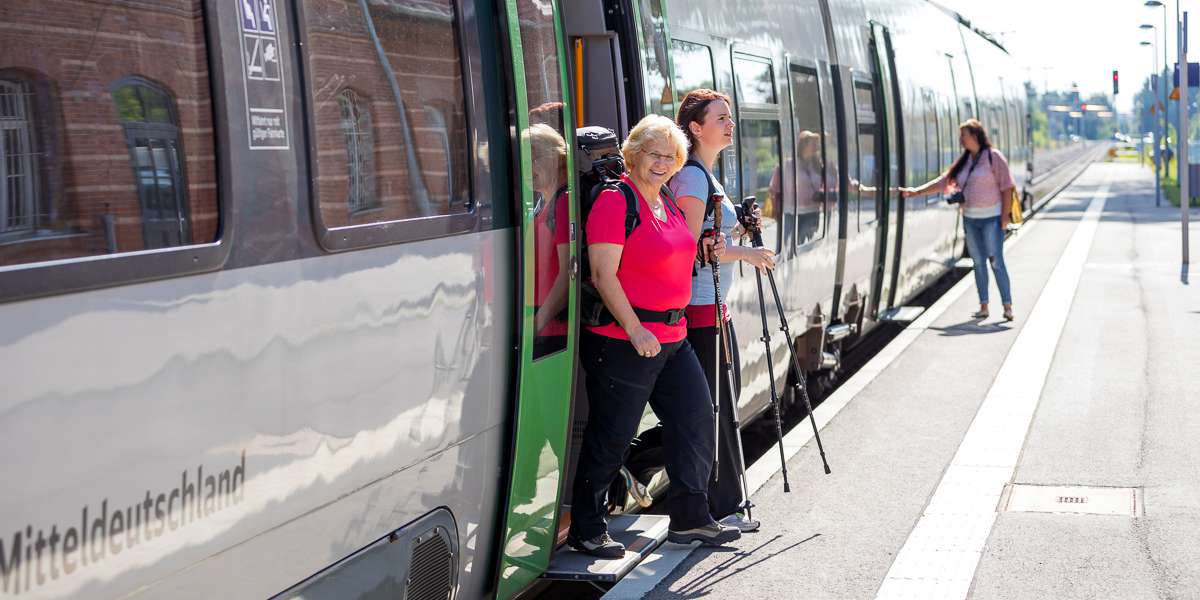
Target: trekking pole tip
x: 827, y: 471
x: 787, y: 489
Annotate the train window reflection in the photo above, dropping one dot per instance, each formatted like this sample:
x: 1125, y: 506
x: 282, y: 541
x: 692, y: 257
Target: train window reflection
x: 655, y: 59
x: 105, y: 148
x: 393, y: 73
x: 810, y: 165
x: 866, y: 185
x: 759, y: 156
x: 693, y: 67
x: 755, y: 82
x: 548, y: 156
x: 360, y: 151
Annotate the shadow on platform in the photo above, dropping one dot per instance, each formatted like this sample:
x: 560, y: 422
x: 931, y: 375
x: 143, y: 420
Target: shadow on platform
x: 698, y: 585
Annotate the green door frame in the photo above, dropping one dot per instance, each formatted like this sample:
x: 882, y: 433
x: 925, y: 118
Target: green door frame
x: 541, y: 411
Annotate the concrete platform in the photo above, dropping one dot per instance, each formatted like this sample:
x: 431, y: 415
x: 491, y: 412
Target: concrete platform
x: 1094, y: 384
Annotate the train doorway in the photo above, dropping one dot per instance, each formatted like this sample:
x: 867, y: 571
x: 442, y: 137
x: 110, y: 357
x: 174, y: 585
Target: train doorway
x: 889, y: 205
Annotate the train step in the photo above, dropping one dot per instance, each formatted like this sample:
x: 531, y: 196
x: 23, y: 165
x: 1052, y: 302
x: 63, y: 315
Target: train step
x: 641, y: 534
x: 903, y: 314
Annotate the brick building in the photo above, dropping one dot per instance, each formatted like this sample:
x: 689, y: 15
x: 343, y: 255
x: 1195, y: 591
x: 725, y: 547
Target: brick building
x: 367, y: 148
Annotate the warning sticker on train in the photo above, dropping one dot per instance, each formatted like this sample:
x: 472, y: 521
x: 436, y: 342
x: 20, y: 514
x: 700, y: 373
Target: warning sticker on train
x: 262, y: 76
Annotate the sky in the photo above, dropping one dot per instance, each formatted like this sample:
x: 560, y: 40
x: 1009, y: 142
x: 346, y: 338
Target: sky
x: 1082, y: 41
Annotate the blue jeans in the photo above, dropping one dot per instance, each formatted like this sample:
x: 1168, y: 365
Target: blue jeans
x: 986, y: 239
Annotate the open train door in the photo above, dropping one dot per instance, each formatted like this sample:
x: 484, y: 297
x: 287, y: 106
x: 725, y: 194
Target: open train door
x: 889, y: 205
x: 545, y: 336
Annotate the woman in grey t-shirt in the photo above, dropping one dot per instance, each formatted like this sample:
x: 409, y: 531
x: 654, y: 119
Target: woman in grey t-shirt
x: 706, y: 120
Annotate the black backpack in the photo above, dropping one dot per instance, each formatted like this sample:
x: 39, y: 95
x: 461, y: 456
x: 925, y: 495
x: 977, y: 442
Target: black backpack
x: 601, y: 156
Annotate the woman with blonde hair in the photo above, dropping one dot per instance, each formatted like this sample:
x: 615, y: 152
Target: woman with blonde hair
x: 982, y: 178
x: 551, y: 237
x: 640, y: 353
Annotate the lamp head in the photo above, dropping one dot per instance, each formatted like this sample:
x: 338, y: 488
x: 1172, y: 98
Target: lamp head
x: 1153, y: 3
x: 1145, y: 26
x: 1143, y: 43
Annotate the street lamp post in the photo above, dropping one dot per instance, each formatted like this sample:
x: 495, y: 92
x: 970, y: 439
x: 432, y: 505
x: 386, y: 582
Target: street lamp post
x: 1157, y: 136
x: 1166, y: 126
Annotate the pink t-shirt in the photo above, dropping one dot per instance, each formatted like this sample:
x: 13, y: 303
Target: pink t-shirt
x: 983, y: 191
x: 656, y: 261
x: 545, y: 244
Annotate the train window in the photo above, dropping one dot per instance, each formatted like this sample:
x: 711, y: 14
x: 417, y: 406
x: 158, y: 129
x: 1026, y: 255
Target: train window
x: 755, y: 81
x: 548, y: 156
x: 809, y: 157
x: 382, y: 71
x: 864, y: 97
x: 917, y: 138
x: 105, y: 148
x: 656, y: 71
x: 693, y: 67
x: 950, y: 145
x: 759, y: 157
x: 759, y: 147
x: 932, y: 149
x: 832, y: 151
x: 867, y: 185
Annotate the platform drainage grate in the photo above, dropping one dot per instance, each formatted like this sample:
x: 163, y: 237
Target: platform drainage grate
x: 1083, y: 500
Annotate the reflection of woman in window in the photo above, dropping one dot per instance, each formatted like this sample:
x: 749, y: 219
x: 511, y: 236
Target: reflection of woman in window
x: 551, y: 239
x: 810, y: 189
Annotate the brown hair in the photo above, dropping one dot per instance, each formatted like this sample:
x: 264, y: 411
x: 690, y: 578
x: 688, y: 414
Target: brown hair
x: 692, y: 110
x: 975, y: 128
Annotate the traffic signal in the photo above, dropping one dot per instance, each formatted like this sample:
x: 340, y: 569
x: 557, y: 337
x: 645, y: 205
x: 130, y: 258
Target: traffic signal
x: 1116, y: 82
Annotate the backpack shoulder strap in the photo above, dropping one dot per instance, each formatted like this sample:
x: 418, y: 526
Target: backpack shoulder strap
x: 712, y: 188
x: 672, y: 205
x: 632, y: 220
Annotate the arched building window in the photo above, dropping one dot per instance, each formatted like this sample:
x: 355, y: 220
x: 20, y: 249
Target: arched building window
x: 151, y: 125
x: 360, y: 151
x: 18, y: 157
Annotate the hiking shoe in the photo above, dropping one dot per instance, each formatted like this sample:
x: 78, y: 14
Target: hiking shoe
x: 640, y: 493
x: 712, y: 534
x: 741, y: 522
x: 602, y: 546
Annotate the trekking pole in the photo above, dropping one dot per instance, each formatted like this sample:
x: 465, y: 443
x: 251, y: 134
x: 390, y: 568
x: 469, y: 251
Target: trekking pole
x: 756, y: 240
x: 737, y: 419
x: 721, y: 337
x: 715, y: 263
x: 766, y: 340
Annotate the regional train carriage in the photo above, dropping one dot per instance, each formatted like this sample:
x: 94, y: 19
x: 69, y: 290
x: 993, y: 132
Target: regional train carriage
x: 275, y: 276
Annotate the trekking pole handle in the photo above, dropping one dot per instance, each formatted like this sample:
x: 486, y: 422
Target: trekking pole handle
x: 751, y: 223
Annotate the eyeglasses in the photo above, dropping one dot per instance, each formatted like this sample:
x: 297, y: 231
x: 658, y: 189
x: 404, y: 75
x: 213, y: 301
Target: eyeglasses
x: 656, y: 157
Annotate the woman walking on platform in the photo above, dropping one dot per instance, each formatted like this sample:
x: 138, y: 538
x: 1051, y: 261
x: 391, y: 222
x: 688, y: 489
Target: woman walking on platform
x: 982, y: 178
x: 643, y: 355
x: 706, y: 120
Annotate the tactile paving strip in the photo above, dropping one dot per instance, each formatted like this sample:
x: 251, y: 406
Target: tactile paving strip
x: 939, y: 558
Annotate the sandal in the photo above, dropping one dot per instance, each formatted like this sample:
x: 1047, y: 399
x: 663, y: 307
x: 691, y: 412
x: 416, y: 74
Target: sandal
x: 979, y: 314
x: 1008, y: 314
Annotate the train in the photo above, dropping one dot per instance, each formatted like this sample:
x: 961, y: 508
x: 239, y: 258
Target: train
x: 270, y: 270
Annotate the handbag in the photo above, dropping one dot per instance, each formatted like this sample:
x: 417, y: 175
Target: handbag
x: 1014, y: 200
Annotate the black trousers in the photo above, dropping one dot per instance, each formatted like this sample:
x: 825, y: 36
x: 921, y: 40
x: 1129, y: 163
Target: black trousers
x: 619, y: 384
x: 725, y: 490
